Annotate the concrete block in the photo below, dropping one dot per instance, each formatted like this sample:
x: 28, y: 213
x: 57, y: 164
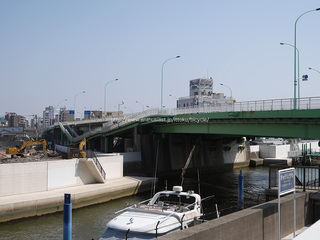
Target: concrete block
x: 285, y: 161
x: 256, y: 162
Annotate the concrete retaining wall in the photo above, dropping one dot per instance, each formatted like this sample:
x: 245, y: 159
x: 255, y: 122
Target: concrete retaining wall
x: 112, y: 164
x: 259, y: 222
x: 20, y: 178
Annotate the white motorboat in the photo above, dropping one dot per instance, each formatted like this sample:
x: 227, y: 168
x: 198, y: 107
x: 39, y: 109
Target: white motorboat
x: 166, y: 212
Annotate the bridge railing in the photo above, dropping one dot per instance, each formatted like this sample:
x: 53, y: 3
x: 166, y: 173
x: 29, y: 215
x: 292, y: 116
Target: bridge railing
x: 261, y: 105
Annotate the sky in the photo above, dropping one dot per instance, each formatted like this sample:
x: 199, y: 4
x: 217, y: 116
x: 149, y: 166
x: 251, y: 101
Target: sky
x: 51, y: 51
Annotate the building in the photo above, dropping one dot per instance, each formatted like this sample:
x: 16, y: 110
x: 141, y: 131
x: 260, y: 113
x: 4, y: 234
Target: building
x: 66, y: 115
x: 48, y: 117
x: 92, y: 115
x: 201, y: 95
x: 23, y: 121
x: 15, y: 120
x: 12, y: 119
x: 3, y: 122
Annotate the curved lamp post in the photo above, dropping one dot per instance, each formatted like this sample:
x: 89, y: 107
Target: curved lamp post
x: 129, y: 109
x: 230, y: 95
x: 162, y: 79
x: 61, y: 102
x: 282, y: 43
x: 105, y: 104
x: 295, y: 56
x: 74, y: 103
x: 170, y: 95
x: 119, y: 111
x: 60, y: 108
x: 141, y: 105
x: 227, y: 87
x: 314, y: 70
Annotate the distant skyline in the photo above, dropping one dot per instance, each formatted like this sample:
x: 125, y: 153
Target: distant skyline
x: 52, y: 50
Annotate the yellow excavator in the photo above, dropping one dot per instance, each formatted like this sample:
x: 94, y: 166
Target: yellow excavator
x: 20, y: 151
x: 82, y: 148
x: 79, y: 152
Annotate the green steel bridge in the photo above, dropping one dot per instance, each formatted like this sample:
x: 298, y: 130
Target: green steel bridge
x: 266, y: 118
x: 169, y: 134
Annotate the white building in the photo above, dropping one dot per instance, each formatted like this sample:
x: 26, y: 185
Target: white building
x: 201, y: 94
x: 48, y: 117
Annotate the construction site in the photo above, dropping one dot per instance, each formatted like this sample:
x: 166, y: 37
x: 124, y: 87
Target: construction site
x: 35, y: 151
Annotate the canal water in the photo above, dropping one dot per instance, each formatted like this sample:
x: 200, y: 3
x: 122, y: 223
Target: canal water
x: 89, y: 222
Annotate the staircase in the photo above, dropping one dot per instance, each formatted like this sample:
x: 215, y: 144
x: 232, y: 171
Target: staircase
x: 94, y: 167
x: 65, y: 131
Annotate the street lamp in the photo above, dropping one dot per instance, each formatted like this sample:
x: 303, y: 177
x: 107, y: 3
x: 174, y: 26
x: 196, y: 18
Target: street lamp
x: 298, y: 66
x: 129, y: 109
x: 295, y: 55
x: 141, y: 105
x: 74, y: 103
x: 162, y: 79
x: 314, y: 69
x: 105, y: 107
x: 227, y: 87
x: 170, y: 95
x: 60, y: 108
x: 119, y: 111
x: 230, y: 95
x: 61, y: 102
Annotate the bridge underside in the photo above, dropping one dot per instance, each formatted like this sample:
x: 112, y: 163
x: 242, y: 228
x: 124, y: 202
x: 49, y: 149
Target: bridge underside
x: 166, y: 141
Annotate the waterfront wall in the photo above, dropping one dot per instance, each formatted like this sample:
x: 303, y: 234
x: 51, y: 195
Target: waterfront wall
x: 20, y: 178
x: 280, y: 151
x: 274, y: 151
x: 255, y: 223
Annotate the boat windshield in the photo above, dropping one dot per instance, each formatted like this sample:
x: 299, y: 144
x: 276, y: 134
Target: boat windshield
x: 178, y: 200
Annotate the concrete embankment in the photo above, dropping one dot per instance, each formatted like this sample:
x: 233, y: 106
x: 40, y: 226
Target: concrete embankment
x: 39, y: 203
x: 258, y: 222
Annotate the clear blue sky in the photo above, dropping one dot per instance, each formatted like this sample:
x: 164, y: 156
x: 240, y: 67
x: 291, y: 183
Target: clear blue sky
x: 52, y: 50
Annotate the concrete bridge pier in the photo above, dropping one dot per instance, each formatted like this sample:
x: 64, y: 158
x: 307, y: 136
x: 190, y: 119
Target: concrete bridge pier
x: 171, y: 151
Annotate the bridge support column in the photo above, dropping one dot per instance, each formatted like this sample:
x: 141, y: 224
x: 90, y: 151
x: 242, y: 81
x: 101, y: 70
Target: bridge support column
x: 61, y: 137
x: 136, y: 140
x: 106, y: 144
x: 88, y: 145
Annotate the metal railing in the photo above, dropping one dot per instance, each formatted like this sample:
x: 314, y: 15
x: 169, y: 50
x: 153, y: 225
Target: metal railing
x: 260, y: 105
x: 90, y: 154
x: 307, y: 177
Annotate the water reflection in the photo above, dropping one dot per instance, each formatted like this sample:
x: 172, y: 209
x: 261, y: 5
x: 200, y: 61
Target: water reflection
x: 89, y: 223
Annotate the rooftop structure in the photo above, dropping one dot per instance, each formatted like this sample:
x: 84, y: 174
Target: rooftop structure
x: 202, y: 95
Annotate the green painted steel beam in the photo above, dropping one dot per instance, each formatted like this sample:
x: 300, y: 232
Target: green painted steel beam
x: 284, y: 123
x: 243, y: 129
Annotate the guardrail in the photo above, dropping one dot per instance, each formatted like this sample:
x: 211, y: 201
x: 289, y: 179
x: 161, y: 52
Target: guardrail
x: 260, y: 105
x: 307, y: 177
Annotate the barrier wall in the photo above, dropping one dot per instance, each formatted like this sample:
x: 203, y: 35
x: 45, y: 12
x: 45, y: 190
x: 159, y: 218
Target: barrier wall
x: 112, y: 164
x: 255, y: 223
x: 66, y: 173
x: 20, y: 178
x: 274, y: 151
